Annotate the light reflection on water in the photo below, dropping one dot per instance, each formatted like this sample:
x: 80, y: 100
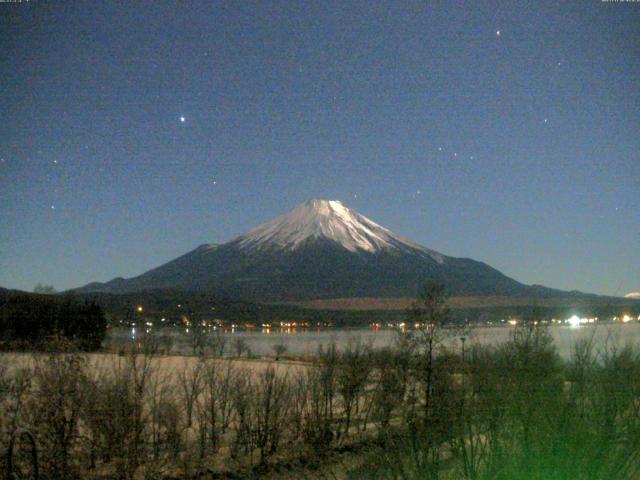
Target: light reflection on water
x: 307, y: 341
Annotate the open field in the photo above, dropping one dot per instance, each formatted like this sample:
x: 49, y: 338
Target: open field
x: 148, y: 416
x: 169, y: 365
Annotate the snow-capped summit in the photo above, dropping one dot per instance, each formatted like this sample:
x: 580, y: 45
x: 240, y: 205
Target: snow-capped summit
x: 634, y: 295
x: 330, y: 220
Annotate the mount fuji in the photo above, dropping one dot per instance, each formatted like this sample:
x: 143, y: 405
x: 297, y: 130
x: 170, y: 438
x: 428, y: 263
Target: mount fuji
x: 320, y: 250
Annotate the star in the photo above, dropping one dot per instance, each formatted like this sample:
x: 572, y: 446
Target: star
x: 53, y: 207
x: 497, y: 33
x: 182, y: 119
x: 546, y: 120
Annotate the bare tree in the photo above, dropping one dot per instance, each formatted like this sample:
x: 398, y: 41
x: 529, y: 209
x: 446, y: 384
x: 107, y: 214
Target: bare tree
x: 197, y: 338
x: 240, y: 346
x: 428, y: 317
x: 166, y: 342
x: 431, y: 314
x: 389, y: 388
x: 242, y: 392
x: 216, y: 407
x: 352, y: 376
x: 279, y: 349
x: 115, y: 414
x: 299, y: 404
x: 15, y: 389
x: 191, y: 383
x: 218, y: 343
x: 321, y: 384
x: 164, y: 424
x: 56, y: 405
x: 270, y: 408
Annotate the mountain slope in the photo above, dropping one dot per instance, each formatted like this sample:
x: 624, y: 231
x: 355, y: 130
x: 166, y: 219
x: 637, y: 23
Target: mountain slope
x: 322, y: 249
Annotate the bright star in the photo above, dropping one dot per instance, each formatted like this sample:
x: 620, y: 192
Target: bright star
x: 182, y: 119
x: 497, y: 33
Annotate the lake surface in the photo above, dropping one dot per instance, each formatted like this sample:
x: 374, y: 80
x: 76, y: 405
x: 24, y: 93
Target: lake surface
x: 307, y: 341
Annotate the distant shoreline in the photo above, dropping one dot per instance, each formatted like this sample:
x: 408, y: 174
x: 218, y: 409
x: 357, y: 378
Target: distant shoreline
x: 459, y: 302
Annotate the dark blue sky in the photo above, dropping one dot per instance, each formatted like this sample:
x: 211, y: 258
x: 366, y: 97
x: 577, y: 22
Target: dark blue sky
x: 520, y: 149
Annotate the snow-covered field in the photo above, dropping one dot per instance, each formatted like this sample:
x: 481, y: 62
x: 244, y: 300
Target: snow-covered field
x: 168, y: 365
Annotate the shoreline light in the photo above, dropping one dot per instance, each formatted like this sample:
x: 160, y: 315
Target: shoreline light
x: 574, y: 321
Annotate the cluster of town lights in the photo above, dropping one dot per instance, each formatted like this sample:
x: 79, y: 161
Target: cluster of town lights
x: 574, y: 322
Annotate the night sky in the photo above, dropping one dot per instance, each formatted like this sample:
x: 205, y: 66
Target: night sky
x: 132, y: 132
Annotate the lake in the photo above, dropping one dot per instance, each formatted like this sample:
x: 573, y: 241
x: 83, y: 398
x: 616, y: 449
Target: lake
x: 307, y: 341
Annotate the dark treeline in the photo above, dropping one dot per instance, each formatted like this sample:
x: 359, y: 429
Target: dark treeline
x: 30, y: 321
